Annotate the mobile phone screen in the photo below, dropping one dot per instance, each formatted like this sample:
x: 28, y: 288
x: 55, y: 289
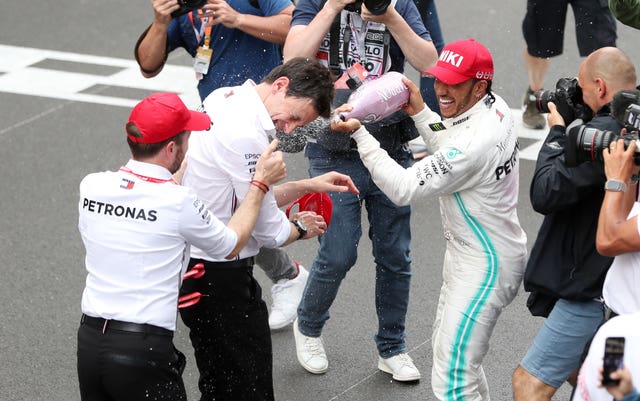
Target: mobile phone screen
x: 613, y: 357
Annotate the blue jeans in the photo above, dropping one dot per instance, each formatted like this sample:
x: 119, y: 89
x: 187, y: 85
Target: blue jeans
x: 429, y: 14
x: 390, y: 235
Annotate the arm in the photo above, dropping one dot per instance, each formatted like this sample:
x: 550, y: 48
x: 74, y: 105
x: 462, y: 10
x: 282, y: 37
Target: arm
x: 425, y: 179
x: 203, y: 229
x: 272, y: 28
x: 304, y: 39
x: 329, y: 182
x: 269, y: 170
x: 420, y: 53
x: 617, y: 234
x: 151, y: 49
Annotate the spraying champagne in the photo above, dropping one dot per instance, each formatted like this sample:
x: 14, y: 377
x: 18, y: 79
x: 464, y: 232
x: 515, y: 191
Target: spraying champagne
x: 377, y: 98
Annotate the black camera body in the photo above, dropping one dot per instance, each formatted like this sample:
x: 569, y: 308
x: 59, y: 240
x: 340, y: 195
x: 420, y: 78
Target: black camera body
x: 188, y: 6
x: 376, y: 7
x: 568, y: 100
x: 587, y: 143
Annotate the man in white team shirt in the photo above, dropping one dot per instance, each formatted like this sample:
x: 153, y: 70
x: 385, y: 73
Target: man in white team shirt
x: 136, y: 225
x: 229, y: 327
x: 619, y: 229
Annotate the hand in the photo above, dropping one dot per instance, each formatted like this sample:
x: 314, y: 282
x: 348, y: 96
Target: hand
x: 349, y: 126
x: 314, y: 223
x: 163, y: 9
x: 220, y: 12
x: 332, y: 182
x: 623, y: 388
x: 416, y: 103
x: 554, y: 117
x: 382, y: 18
x: 338, y: 5
x: 618, y: 162
x: 270, y: 167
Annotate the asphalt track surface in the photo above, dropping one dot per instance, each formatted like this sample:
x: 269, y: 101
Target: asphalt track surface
x: 67, y: 83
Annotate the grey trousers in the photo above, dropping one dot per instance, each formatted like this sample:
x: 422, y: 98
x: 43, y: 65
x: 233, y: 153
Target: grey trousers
x: 276, y: 264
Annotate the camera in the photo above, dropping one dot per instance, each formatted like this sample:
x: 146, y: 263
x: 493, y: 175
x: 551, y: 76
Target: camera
x: 587, y: 143
x: 568, y: 100
x: 376, y: 7
x: 187, y: 6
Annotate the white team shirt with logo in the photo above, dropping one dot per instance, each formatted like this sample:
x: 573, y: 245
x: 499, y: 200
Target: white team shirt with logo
x: 136, y: 235
x: 221, y: 163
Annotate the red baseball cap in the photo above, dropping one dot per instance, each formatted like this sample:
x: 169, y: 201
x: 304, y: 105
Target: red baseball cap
x: 462, y: 60
x: 162, y: 116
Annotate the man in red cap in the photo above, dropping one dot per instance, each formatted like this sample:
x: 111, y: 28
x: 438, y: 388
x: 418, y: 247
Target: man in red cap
x: 473, y: 169
x: 136, y: 224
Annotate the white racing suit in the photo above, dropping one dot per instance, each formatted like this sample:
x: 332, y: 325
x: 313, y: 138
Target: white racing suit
x: 473, y: 168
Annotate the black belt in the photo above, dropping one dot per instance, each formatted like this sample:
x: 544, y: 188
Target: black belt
x: 245, y: 262
x: 106, y: 324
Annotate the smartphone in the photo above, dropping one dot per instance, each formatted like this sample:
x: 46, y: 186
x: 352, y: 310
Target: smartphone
x: 613, y: 357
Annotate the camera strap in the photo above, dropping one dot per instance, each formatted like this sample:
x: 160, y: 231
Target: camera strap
x: 334, y: 46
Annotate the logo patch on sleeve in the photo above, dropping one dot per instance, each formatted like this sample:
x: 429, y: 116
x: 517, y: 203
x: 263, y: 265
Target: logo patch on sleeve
x: 437, y: 126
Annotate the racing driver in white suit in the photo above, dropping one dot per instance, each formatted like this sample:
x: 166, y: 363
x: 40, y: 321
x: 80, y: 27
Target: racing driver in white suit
x: 473, y: 168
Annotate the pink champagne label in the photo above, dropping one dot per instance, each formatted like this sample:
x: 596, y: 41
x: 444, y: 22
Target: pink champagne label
x: 378, y: 98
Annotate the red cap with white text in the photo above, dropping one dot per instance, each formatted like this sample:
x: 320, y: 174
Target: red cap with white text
x: 162, y: 116
x: 460, y: 61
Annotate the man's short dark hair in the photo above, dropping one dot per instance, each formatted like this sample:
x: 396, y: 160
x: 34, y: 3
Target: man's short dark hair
x: 308, y: 79
x: 141, y: 151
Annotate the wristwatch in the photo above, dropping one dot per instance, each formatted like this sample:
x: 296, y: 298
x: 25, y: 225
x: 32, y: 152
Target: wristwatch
x: 615, y: 185
x: 302, y: 230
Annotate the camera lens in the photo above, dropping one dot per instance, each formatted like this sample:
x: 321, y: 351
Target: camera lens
x: 542, y: 99
x: 377, y: 7
x: 586, y: 144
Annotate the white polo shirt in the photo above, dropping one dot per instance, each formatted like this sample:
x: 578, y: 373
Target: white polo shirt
x: 621, y: 290
x: 136, y: 225
x: 221, y: 162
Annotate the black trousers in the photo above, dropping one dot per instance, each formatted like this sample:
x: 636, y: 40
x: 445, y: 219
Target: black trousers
x: 117, y: 365
x: 229, y: 331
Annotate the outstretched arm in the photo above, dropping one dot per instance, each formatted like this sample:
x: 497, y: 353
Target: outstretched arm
x: 329, y: 182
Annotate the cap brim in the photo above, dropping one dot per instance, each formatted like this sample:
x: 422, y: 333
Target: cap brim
x: 198, y: 121
x: 445, y: 75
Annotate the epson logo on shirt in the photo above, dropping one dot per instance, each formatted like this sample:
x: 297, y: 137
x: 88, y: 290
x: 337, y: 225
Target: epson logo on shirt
x: 127, y: 212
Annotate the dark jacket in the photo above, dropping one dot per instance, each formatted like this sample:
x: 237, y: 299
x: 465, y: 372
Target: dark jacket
x: 564, y: 262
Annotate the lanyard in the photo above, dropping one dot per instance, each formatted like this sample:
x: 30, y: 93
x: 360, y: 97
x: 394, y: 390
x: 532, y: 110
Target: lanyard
x: 359, y: 43
x: 204, y: 27
x: 146, y: 178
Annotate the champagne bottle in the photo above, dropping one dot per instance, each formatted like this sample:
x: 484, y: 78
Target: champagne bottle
x: 377, y: 98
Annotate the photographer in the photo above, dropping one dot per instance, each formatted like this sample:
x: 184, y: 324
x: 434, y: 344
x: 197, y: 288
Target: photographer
x: 565, y: 272
x: 618, y: 231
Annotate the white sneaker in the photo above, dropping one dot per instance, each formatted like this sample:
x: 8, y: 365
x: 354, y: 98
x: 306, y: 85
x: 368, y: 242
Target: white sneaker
x: 310, y: 352
x: 400, y: 366
x: 286, y: 295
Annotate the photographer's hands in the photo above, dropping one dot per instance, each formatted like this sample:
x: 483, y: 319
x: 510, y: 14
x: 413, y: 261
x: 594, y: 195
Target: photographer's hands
x: 618, y: 162
x: 554, y: 117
